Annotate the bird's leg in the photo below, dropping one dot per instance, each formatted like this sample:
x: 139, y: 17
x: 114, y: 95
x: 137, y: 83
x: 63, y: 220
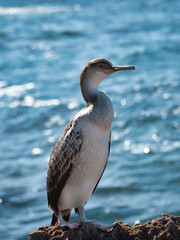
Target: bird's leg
x: 63, y: 223
x: 81, y: 212
x: 82, y: 218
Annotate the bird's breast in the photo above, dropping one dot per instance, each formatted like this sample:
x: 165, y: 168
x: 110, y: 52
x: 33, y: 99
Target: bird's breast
x: 88, y: 167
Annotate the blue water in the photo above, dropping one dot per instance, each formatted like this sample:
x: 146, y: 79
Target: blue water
x: 44, y: 46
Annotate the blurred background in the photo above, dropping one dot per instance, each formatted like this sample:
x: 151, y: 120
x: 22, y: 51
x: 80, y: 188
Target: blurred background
x: 44, y: 46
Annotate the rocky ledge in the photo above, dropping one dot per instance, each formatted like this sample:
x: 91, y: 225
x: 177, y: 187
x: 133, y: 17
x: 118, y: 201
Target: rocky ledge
x: 165, y: 228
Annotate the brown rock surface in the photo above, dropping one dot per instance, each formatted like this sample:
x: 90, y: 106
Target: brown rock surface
x: 165, y: 228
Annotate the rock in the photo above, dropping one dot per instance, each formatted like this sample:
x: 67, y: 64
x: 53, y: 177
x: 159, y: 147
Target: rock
x: 165, y: 228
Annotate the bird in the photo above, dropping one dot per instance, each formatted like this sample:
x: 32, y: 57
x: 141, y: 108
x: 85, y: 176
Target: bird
x: 80, y: 156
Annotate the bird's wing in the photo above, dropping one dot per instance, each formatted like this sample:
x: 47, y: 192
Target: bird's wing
x: 106, y: 162
x: 61, y: 162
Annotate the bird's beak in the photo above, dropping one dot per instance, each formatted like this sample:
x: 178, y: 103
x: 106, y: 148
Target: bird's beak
x: 122, y: 68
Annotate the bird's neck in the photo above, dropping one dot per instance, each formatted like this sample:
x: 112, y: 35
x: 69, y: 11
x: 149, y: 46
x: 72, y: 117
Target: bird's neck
x: 102, y: 113
x: 90, y: 94
x: 89, y: 87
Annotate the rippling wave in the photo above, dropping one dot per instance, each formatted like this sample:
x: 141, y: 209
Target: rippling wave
x: 44, y: 47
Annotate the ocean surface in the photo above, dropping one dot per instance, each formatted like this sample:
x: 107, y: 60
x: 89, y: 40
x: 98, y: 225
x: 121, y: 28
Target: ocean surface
x: 44, y: 46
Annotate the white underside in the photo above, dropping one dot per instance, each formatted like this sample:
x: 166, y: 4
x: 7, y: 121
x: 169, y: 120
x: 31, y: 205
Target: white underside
x: 87, y: 169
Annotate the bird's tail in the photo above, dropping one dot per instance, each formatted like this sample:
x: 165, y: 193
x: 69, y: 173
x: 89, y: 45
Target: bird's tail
x: 54, y: 220
x: 66, y: 217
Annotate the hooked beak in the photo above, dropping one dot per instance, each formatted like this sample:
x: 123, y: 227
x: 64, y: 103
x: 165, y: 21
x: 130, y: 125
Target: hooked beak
x: 121, y: 68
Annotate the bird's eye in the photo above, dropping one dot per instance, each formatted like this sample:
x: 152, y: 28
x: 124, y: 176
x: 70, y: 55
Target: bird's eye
x: 100, y: 65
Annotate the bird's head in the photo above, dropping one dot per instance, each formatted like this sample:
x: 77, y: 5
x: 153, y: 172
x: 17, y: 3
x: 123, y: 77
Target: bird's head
x: 98, y: 69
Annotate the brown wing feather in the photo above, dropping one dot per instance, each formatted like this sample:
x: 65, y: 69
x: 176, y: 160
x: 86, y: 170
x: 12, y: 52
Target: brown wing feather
x: 61, y: 162
x: 105, y: 164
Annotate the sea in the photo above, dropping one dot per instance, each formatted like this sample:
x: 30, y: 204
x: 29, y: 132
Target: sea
x: 44, y: 45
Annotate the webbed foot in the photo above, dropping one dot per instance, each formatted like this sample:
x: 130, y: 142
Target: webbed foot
x: 104, y: 228
x: 70, y: 225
